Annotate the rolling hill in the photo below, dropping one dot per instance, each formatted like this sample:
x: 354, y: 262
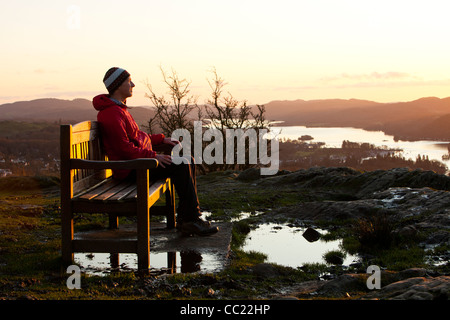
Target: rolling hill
x: 425, y: 118
x: 66, y: 111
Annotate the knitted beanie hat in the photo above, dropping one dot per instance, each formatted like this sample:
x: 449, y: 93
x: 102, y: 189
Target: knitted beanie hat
x: 114, y: 77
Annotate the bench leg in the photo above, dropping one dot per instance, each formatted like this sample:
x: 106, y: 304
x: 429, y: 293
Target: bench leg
x: 172, y: 262
x: 113, y: 221
x: 143, y: 245
x: 114, y: 260
x: 67, y: 236
x: 170, y: 206
x: 143, y: 221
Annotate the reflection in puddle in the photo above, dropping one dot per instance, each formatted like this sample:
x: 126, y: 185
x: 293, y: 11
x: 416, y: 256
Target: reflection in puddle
x: 163, y: 262
x: 245, y: 215
x: 283, y: 245
x: 287, y: 246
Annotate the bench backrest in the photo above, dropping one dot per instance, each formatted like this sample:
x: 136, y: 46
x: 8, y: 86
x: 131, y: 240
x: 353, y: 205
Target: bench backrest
x: 81, y: 141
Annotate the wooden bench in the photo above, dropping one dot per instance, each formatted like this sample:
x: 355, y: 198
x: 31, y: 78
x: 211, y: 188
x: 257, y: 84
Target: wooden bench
x: 87, y: 186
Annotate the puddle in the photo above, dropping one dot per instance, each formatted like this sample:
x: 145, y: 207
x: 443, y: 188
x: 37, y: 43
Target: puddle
x: 287, y: 246
x: 170, y: 252
x: 245, y: 215
x: 433, y: 259
x: 101, y: 264
x: 283, y: 245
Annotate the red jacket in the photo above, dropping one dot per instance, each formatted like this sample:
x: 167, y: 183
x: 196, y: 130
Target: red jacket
x: 121, y: 136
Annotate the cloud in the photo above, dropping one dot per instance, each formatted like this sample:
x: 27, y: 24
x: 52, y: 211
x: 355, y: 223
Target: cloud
x: 377, y: 79
x: 39, y: 71
x: 374, y: 76
x: 390, y: 79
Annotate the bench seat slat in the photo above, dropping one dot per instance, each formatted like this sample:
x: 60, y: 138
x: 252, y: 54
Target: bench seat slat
x: 113, y: 191
x: 154, y: 190
x: 99, y: 190
x: 123, y: 194
x: 132, y: 195
x: 92, y: 188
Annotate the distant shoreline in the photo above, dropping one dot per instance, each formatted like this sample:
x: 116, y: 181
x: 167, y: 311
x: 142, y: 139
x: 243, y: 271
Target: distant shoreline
x: 421, y: 119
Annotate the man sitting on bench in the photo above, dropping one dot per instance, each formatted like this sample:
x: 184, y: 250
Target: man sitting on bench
x: 123, y: 140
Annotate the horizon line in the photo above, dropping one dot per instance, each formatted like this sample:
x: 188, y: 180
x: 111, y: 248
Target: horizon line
x: 276, y: 100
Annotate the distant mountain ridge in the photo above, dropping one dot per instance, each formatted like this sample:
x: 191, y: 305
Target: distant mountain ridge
x: 353, y: 111
x: 66, y: 111
x: 425, y: 118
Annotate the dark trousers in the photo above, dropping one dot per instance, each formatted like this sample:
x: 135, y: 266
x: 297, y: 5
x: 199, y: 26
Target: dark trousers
x: 184, y: 179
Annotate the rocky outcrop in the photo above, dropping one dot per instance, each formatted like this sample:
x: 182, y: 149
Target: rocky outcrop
x: 410, y: 284
x: 358, y: 184
x: 418, y: 196
x: 414, y: 288
x: 416, y: 203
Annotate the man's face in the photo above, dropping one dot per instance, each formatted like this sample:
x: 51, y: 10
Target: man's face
x: 126, y: 88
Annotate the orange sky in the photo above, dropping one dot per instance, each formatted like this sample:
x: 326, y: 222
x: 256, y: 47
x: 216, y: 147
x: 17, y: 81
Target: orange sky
x: 266, y: 50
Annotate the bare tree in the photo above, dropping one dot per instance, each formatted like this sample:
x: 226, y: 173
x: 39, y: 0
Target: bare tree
x: 222, y: 113
x: 229, y: 113
x: 233, y: 114
x: 176, y: 111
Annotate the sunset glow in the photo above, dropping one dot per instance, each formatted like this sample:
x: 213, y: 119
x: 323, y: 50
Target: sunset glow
x: 383, y: 51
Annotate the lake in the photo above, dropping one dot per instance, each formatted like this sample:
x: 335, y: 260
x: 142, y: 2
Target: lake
x: 333, y: 137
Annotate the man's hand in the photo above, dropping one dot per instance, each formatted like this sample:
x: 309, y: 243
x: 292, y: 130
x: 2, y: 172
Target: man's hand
x: 171, y: 141
x: 163, y: 159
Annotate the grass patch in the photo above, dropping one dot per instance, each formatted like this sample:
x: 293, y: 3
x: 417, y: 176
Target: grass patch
x: 239, y: 233
x: 30, y: 262
x: 397, y: 259
x: 24, y: 185
x: 240, y: 196
x: 334, y: 257
x: 375, y: 231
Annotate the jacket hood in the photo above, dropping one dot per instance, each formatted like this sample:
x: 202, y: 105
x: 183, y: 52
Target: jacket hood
x: 102, y: 101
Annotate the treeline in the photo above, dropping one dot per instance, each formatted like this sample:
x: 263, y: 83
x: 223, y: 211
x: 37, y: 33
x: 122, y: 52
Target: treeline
x: 297, y: 154
x: 33, y: 149
x: 29, y: 148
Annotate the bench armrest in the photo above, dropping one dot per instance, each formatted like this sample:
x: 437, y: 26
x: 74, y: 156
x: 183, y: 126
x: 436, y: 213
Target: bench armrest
x: 142, y: 163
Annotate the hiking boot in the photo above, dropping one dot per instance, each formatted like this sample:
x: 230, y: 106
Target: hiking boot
x: 198, y: 227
